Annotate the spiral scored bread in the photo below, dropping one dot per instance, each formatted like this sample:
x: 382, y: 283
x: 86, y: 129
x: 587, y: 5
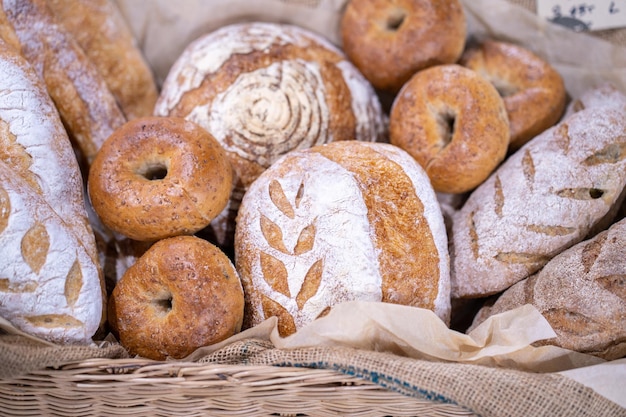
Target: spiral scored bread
x: 389, y: 41
x: 454, y: 123
x: 533, y: 91
x: 106, y: 39
x: 543, y: 199
x: 348, y: 220
x: 86, y: 105
x: 263, y: 89
x: 183, y: 293
x: 588, y: 311
x: 51, y: 283
x: 157, y: 177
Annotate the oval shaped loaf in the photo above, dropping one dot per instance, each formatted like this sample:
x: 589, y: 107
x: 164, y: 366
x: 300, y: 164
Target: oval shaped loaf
x: 343, y: 221
x: 38, y: 159
x: 263, y: 89
x: 546, y: 197
x: 582, y: 294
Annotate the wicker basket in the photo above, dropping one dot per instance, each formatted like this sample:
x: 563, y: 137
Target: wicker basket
x: 132, y: 387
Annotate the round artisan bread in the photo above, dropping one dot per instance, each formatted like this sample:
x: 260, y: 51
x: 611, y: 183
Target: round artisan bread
x: 389, y: 41
x: 263, y: 89
x: 183, y: 293
x: 454, y: 123
x: 348, y: 220
x: 533, y: 91
x: 157, y: 177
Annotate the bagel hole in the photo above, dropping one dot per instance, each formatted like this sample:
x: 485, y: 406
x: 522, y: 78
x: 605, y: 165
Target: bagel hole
x: 395, y: 19
x: 153, y: 171
x: 163, y: 305
x: 504, y: 89
x: 446, y: 121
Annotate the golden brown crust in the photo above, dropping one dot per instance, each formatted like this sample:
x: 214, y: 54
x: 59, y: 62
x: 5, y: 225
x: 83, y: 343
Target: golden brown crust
x: 183, y: 293
x: 389, y: 41
x: 454, y: 123
x: 87, y: 107
x: 99, y: 28
x: 157, y: 177
x: 533, y: 91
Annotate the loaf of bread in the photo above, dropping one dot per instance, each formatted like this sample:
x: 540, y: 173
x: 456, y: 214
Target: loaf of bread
x: 87, y: 107
x: 50, y: 277
x: 546, y: 197
x: 582, y: 294
x: 106, y: 39
x: 348, y: 220
x: 263, y: 89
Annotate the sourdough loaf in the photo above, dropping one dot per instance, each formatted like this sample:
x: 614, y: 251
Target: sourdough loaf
x: 51, y: 281
x: 348, y: 220
x: 582, y: 294
x: 546, y: 197
x: 263, y: 89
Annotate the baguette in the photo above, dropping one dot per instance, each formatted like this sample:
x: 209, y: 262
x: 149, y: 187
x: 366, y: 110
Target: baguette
x: 104, y: 36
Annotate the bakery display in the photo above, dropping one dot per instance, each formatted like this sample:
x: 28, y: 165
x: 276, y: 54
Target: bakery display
x: 263, y: 89
x: 50, y: 278
x: 157, y: 177
x: 183, y: 293
x: 533, y: 91
x: 543, y: 199
x: 581, y: 293
x: 454, y: 123
x: 389, y: 41
x: 330, y: 224
x: 449, y: 215
x: 103, y: 34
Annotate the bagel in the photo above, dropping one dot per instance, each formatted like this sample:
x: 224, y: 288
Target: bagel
x: 157, y: 177
x: 390, y: 41
x: 454, y: 123
x: 183, y: 293
x: 533, y: 91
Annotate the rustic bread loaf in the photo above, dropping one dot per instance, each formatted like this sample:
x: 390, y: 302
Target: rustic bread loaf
x: 87, y: 107
x: 546, y: 197
x: 106, y: 39
x: 263, y: 89
x: 582, y: 294
x: 51, y: 282
x: 348, y: 220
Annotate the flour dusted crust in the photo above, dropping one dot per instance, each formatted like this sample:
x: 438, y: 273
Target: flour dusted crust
x: 50, y: 285
x: 86, y: 105
x: 263, y: 89
x: 100, y: 30
x: 341, y: 221
x: 546, y: 197
x: 51, y: 282
x: 582, y: 294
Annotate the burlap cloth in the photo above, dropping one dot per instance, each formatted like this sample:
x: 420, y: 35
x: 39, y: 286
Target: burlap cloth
x: 483, y: 390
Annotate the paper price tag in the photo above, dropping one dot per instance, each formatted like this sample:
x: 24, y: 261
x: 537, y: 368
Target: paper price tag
x: 584, y: 15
